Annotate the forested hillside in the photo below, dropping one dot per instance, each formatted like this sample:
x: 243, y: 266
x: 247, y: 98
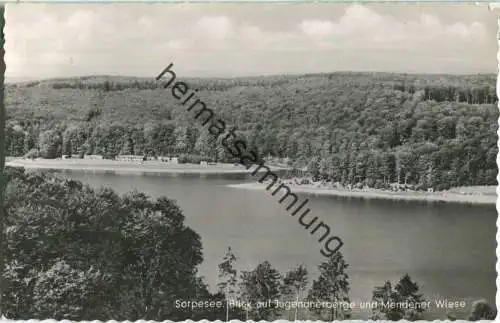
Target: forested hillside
x: 433, y: 130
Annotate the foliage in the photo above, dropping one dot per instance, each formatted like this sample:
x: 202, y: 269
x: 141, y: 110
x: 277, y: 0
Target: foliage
x: 261, y: 285
x: 427, y: 131
x: 481, y: 310
x: 76, y: 253
x: 68, y: 245
x: 228, y: 284
x: 294, y: 282
x: 405, y: 291
x: 191, y: 159
x: 353, y: 128
x: 62, y: 292
x: 50, y: 143
x: 332, y: 286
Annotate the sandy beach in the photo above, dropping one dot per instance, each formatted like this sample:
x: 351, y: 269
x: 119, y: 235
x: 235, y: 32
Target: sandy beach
x: 485, y: 195
x: 123, y: 166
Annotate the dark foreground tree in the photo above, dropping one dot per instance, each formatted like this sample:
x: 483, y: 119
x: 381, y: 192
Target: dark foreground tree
x: 383, y: 295
x: 332, y: 288
x: 228, y: 279
x: 405, y: 291
x: 82, y: 254
x: 260, y: 286
x: 481, y: 310
x: 294, y: 283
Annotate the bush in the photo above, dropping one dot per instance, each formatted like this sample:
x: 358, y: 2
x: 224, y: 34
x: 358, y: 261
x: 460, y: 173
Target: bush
x: 481, y: 310
x: 191, y: 159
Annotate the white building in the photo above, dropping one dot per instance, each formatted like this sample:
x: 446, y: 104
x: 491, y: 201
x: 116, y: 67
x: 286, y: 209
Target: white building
x: 94, y: 157
x: 134, y: 158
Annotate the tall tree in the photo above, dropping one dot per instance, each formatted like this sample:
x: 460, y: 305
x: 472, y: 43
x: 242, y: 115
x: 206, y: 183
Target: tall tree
x: 260, y: 286
x: 332, y: 286
x: 228, y: 278
x: 405, y: 291
x: 294, y: 282
x: 383, y: 295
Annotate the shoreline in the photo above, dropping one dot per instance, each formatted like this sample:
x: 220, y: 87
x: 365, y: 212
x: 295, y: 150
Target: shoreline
x: 449, y: 196
x: 130, y: 167
x: 445, y: 196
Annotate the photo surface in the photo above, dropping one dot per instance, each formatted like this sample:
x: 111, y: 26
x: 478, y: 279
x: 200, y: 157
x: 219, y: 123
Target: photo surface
x: 250, y: 161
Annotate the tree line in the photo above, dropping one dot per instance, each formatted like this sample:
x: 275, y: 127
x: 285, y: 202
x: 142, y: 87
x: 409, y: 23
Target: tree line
x: 77, y: 253
x: 469, y: 89
x: 358, y: 129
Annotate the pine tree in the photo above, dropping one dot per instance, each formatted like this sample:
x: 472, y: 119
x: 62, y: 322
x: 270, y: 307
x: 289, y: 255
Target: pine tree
x: 383, y: 295
x: 228, y: 278
x: 294, y: 283
x: 332, y: 286
x: 405, y: 291
x: 259, y: 286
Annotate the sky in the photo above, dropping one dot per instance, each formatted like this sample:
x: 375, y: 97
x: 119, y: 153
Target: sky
x: 247, y: 39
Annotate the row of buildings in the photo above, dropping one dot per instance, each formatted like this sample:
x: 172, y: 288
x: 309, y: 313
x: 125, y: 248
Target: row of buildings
x: 128, y: 158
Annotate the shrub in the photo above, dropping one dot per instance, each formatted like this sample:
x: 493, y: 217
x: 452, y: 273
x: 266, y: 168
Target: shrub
x: 191, y: 159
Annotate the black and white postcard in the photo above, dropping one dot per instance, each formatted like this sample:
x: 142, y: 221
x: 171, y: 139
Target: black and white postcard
x: 250, y: 161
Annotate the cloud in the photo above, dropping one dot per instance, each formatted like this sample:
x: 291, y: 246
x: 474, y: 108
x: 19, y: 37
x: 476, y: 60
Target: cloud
x: 214, y: 28
x: 363, y: 27
x: 139, y: 39
x: 317, y: 27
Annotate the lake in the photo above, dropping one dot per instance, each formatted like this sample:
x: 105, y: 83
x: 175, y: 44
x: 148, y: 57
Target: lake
x: 449, y: 249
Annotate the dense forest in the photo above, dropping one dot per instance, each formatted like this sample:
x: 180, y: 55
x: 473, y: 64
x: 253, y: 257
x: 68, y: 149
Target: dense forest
x: 76, y: 253
x: 432, y: 131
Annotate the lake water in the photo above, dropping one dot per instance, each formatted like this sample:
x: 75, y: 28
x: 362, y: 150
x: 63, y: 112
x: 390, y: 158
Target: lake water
x: 449, y: 249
